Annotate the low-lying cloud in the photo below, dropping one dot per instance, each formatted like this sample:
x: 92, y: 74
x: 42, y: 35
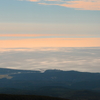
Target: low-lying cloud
x: 80, y: 59
x: 5, y: 76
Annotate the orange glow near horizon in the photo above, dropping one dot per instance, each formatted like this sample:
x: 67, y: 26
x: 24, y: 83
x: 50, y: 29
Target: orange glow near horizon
x: 51, y: 42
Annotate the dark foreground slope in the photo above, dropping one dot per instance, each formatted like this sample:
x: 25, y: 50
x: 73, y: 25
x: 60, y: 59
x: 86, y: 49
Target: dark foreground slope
x: 27, y: 97
x: 54, y: 83
x: 71, y: 94
x: 55, y: 95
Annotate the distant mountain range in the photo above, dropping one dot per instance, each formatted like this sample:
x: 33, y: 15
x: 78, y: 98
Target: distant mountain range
x: 56, y: 83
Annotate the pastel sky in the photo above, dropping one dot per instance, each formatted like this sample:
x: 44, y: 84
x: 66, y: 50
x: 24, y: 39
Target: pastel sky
x: 29, y: 24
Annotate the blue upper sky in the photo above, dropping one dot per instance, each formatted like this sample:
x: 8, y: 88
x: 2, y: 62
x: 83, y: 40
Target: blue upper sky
x: 80, y: 17
x: 26, y: 11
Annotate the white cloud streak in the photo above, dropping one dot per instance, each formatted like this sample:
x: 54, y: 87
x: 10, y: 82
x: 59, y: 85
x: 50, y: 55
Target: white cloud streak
x: 76, y: 4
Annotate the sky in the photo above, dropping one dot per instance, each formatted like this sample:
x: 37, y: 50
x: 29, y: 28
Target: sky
x: 50, y: 34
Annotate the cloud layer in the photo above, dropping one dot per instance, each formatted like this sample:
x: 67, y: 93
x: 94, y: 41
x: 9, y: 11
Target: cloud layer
x: 77, y: 4
x: 80, y: 59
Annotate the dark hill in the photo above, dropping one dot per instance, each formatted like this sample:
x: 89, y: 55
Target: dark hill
x: 11, y: 78
x: 73, y: 85
x: 50, y: 75
x: 28, y: 97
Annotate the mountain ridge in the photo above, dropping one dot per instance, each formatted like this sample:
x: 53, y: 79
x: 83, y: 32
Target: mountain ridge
x: 73, y: 85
